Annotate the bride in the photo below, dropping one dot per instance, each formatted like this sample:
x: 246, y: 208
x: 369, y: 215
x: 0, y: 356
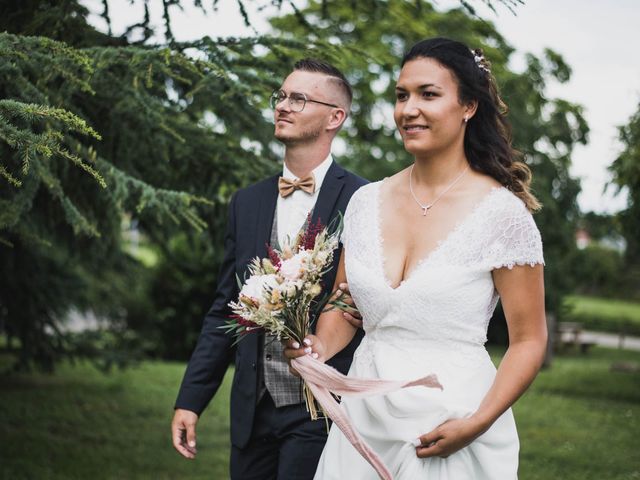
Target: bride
x: 427, y: 253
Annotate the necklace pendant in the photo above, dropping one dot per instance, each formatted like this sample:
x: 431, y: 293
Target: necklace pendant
x: 425, y: 209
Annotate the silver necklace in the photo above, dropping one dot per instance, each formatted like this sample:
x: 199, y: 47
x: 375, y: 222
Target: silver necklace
x: 425, y: 208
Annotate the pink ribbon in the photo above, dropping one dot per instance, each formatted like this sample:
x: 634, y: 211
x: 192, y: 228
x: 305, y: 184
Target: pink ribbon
x: 324, y: 380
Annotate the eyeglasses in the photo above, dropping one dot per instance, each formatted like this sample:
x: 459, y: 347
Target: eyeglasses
x: 297, y: 101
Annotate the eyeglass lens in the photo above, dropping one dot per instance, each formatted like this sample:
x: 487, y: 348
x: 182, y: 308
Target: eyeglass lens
x: 297, y: 101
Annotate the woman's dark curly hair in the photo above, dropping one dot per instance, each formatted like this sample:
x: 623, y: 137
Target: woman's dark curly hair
x: 487, y: 140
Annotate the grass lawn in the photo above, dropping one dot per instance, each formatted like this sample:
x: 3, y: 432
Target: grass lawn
x: 82, y: 424
x: 605, y: 315
x: 579, y: 421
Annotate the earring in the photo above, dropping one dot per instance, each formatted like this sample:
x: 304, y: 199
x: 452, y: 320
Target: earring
x: 466, y: 119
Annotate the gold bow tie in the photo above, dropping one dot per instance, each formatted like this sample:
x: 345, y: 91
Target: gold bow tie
x: 306, y: 184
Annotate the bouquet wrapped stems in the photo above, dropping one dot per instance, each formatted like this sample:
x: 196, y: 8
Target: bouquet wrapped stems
x: 310, y: 402
x: 300, y: 328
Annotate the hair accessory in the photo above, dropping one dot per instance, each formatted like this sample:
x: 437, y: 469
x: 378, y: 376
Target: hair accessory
x: 481, y: 62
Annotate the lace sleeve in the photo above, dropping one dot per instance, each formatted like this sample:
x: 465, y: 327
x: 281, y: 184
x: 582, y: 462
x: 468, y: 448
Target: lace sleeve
x: 516, y: 239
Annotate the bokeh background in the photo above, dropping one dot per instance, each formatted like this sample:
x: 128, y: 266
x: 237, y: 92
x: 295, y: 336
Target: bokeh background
x: 126, y: 125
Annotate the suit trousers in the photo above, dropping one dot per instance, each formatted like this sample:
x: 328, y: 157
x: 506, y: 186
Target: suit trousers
x: 285, y: 444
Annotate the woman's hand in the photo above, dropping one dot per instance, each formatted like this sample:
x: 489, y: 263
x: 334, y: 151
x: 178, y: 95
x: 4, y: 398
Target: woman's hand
x: 312, y: 345
x: 448, y: 438
x: 349, y: 311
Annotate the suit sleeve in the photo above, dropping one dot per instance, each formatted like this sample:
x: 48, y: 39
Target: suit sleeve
x: 213, y: 352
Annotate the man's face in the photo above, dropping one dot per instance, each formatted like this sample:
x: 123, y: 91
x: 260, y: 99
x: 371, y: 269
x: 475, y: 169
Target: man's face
x: 293, y: 127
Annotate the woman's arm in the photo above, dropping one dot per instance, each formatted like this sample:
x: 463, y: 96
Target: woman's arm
x: 333, y: 332
x: 521, y: 291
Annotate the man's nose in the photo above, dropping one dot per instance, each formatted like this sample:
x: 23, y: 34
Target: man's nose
x: 283, y: 105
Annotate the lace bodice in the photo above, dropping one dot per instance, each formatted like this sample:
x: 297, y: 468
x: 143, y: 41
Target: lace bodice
x: 449, y: 297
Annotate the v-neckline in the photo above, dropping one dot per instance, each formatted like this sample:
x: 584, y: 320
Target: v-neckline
x: 382, y: 260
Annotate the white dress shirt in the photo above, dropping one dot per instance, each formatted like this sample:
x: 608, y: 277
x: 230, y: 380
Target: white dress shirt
x: 294, y: 209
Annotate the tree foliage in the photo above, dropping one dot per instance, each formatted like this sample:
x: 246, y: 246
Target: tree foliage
x: 93, y: 133
x: 626, y: 175
x: 99, y: 132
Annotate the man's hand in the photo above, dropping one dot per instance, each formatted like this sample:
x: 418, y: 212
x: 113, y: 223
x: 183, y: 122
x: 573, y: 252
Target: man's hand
x: 183, y: 431
x: 353, y: 315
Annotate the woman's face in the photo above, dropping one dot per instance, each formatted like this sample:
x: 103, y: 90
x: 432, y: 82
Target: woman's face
x: 428, y: 113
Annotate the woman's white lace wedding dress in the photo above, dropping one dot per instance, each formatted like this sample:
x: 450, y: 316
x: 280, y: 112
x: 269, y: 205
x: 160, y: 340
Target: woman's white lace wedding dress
x: 435, y: 321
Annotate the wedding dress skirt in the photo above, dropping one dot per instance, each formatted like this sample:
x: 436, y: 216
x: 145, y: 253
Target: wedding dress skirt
x: 433, y: 322
x: 389, y: 423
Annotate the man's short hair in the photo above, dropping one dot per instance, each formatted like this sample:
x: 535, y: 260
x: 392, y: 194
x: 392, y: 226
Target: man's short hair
x: 320, y: 66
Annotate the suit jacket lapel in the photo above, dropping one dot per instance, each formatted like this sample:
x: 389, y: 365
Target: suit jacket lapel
x: 331, y: 187
x: 266, y: 209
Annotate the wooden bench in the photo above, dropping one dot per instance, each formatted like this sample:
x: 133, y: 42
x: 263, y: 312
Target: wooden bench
x: 570, y: 336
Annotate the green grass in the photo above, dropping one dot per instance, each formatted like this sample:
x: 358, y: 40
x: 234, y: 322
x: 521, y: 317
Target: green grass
x: 579, y: 421
x: 81, y: 424
x: 605, y: 315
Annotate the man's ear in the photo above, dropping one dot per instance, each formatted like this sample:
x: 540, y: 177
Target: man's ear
x: 338, y: 117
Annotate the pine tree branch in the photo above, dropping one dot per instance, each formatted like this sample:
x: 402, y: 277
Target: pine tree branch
x: 166, y: 18
x: 9, y: 178
x: 105, y: 15
x: 59, y: 122
x: 162, y: 202
x: 79, y: 222
x: 6, y: 242
x: 19, y: 205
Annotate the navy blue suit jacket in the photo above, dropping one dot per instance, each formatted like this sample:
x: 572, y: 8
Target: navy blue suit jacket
x: 248, y: 232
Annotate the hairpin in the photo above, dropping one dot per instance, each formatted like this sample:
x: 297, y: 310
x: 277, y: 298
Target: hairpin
x: 481, y: 62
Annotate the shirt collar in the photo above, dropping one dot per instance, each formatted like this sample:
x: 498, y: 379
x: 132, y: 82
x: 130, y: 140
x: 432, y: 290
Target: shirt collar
x: 319, y: 172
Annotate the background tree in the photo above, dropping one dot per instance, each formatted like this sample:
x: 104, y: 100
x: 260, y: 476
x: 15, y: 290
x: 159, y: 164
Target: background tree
x: 626, y: 176
x: 601, y: 225
x: 96, y: 130
x: 104, y: 135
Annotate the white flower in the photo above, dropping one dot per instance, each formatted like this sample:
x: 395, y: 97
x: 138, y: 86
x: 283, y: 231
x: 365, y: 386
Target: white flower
x: 288, y: 288
x: 321, y: 258
x: 314, y: 289
x: 256, y: 285
x: 291, y: 288
x: 292, y: 268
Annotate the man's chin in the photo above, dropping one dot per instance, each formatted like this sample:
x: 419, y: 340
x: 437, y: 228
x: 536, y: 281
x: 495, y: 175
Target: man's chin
x: 290, y: 140
x: 286, y: 139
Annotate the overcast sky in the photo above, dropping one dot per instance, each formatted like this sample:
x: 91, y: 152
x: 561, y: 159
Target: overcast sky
x: 599, y: 40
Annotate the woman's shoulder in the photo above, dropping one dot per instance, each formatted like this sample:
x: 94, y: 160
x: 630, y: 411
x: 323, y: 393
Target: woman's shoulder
x: 355, y: 216
x: 499, y: 209
x: 508, y: 217
x: 506, y: 232
x: 508, y: 203
x: 365, y: 193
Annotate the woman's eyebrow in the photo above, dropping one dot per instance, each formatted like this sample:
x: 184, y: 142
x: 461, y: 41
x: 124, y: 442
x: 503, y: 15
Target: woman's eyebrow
x: 421, y: 87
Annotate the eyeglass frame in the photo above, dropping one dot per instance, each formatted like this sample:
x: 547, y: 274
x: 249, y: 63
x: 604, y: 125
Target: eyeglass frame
x: 282, y: 96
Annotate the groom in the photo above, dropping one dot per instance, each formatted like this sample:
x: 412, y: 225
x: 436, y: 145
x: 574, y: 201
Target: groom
x: 272, y: 436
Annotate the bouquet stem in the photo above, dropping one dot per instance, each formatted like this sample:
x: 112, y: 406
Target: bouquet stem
x: 310, y: 401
